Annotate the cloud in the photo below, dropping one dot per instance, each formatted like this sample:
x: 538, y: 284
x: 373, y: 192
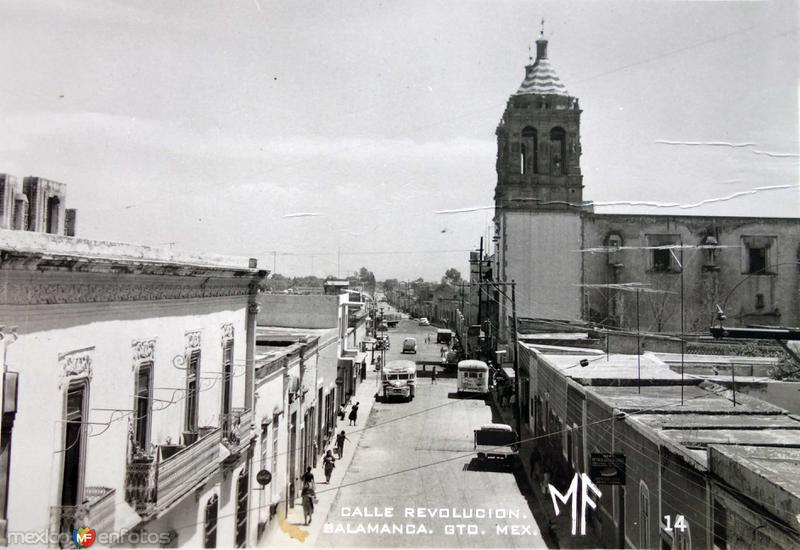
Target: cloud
x: 177, y: 139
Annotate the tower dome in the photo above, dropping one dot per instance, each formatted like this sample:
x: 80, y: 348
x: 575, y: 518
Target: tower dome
x: 540, y: 77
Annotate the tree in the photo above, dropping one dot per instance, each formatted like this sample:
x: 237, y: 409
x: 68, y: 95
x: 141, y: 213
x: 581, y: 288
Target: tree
x: 363, y: 278
x: 452, y: 277
x: 390, y: 284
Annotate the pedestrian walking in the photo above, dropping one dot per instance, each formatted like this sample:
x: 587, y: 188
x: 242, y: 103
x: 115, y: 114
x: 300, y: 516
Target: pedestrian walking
x: 340, y: 439
x: 433, y: 375
x: 341, y: 412
x: 308, y: 478
x: 354, y: 414
x: 309, y: 496
x: 328, y: 463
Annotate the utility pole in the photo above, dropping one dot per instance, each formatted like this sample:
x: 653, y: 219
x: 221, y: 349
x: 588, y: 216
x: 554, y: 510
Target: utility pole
x: 480, y: 280
x: 517, y: 383
x: 518, y: 412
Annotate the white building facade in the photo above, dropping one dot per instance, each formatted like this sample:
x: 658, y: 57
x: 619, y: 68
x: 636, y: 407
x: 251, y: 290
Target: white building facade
x: 129, y: 377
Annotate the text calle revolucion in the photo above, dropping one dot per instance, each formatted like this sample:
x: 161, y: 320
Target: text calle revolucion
x: 429, y: 513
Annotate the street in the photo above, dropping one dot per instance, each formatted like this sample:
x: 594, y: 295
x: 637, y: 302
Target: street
x: 413, y: 481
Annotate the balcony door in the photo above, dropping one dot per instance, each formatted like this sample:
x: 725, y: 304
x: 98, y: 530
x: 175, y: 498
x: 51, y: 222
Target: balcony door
x: 192, y: 386
x: 143, y: 407
x: 74, y: 451
x: 242, y: 503
x: 227, y: 385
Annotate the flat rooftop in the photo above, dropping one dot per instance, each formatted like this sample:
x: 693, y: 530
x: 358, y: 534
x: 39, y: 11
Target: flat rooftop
x: 618, y: 369
x: 704, y: 398
x: 58, y: 247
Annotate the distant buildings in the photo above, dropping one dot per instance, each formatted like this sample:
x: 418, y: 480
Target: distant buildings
x: 307, y: 364
x: 571, y: 263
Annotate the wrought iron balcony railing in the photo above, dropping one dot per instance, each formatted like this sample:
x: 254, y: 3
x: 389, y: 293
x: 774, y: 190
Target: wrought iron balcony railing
x: 153, y: 483
x: 237, y: 430
x: 96, y: 512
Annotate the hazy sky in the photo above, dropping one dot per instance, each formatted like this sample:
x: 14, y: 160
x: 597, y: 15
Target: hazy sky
x: 206, y: 124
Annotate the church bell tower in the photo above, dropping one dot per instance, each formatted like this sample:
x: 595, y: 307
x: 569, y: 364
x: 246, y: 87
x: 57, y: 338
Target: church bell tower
x: 539, y: 196
x: 538, y: 143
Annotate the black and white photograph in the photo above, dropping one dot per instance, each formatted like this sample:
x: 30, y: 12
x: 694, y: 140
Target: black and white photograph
x: 400, y: 274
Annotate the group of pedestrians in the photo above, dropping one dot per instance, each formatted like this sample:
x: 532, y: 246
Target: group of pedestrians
x: 309, y: 491
x: 353, y: 416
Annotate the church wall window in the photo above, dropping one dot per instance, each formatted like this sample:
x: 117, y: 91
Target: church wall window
x: 759, y: 254
x: 661, y: 258
x: 613, y: 244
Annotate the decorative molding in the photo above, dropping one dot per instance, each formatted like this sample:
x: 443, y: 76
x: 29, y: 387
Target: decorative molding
x: 76, y: 363
x: 193, y: 340
x: 143, y: 350
x: 79, y: 293
x: 254, y: 308
x: 227, y: 333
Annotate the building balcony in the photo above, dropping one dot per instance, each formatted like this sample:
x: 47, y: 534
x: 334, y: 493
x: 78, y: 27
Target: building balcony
x: 356, y: 318
x: 96, y: 512
x: 237, y: 431
x: 153, y: 483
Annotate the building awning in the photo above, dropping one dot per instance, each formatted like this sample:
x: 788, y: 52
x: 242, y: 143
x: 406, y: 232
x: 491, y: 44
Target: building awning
x: 509, y: 372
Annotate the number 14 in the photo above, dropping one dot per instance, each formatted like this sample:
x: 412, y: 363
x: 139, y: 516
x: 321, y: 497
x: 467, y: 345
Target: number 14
x: 680, y: 523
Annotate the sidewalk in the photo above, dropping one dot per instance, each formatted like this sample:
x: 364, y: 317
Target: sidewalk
x: 291, y: 531
x: 551, y: 526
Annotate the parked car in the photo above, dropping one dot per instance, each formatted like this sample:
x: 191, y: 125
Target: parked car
x: 497, y: 442
x: 410, y: 345
x: 423, y: 322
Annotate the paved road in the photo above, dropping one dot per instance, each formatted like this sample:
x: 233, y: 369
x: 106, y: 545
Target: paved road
x: 413, y: 472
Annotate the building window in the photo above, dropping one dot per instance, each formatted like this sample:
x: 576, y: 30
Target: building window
x: 759, y: 301
x: 644, y: 515
x: 576, y: 453
x: 275, y: 423
x: 720, y: 527
x: 210, y: 524
x: 683, y: 537
x: 192, y: 387
x: 758, y: 255
x: 143, y: 394
x: 51, y: 222
x: 74, y: 451
x: 530, y: 147
x: 9, y: 411
x: 227, y: 384
x: 242, y: 494
x: 558, y: 148
x: 663, y: 257
x: 613, y: 244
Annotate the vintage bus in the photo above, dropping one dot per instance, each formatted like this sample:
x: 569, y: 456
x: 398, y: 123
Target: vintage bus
x: 399, y: 379
x: 444, y: 336
x: 473, y: 377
